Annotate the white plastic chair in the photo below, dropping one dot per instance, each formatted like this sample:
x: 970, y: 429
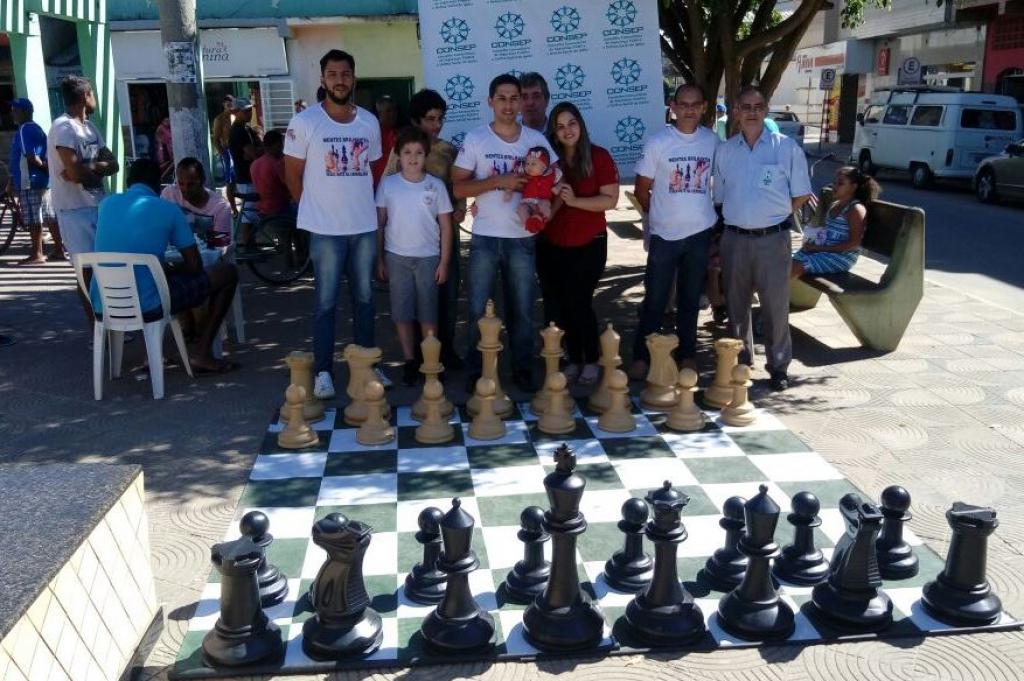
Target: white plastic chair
x: 114, y: 274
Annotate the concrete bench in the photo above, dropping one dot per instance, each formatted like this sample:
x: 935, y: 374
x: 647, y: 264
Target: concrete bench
x: 876, y: 312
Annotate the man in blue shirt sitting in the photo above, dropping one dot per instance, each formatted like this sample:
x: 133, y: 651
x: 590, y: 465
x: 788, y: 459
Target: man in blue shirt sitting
x: 30, y: 182
x: 139, y: 221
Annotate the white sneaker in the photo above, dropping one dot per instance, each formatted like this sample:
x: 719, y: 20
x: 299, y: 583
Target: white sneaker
x: 323, y: 386
x: 384, y: 380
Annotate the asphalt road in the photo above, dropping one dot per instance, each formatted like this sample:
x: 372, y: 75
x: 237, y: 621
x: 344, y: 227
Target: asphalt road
x: 971, y: 247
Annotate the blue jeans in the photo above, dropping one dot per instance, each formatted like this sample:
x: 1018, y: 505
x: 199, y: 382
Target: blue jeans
x: 517, y: 262
x: 685, y: 260
x: 351, y: 255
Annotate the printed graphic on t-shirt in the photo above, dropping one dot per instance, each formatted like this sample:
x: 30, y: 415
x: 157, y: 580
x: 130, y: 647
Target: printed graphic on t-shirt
x: 429, y: 196
x: 346, y: 156
x: 689, y: 174
x: 505, y: 164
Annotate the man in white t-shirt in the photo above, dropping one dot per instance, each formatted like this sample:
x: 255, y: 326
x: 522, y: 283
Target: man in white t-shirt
x: 489, y: 167
x: 79, y: 160
x: 673, y: 184
x: 328, y: 150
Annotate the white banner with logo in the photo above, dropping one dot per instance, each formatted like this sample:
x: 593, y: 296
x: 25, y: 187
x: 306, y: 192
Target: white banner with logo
x: 601, y: 55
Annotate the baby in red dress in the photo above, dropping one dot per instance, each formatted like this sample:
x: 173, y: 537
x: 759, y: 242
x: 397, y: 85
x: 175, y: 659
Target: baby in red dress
x: 541, y: 178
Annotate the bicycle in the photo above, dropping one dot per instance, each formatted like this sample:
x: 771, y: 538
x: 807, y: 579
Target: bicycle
x: 8, y: 204
x: 278, y: 251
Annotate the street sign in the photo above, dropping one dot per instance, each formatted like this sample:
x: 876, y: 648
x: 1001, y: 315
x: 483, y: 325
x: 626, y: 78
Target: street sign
x: 910, y: 72
x: 828, y: 79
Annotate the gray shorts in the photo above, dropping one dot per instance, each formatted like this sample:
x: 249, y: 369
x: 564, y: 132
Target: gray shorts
x: 78, y: 229
x: 413, y: 288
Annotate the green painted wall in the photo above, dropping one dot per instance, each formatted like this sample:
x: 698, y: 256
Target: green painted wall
x: 128, y: 10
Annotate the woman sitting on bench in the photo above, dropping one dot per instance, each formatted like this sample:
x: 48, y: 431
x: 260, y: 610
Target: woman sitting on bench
x: 834, y: 248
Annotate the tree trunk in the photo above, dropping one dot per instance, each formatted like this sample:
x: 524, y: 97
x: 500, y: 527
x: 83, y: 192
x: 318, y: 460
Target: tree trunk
x: 185, y: 99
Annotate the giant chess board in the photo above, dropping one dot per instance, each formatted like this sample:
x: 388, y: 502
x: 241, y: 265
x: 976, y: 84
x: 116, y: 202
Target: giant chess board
x: 387, y: 487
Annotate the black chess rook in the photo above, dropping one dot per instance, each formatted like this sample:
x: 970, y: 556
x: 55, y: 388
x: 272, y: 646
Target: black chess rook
x: 725, y: 568
x: 529, y: 576
x: 664, y: 613
x: 630, y: 569
x: 425, y: 583
x: 273, y: 583
x: 801, y: 562
x: 896, y: 558
x: 753, y: 610
x: 243, y: 635
x: 458, y: 624
x: 852, y: 597
x: 563, y: 617
x: 961, y: 594
x: 344, y: 624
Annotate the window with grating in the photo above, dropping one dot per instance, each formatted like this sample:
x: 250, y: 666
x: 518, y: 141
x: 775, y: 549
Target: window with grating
x: 1008, y: 34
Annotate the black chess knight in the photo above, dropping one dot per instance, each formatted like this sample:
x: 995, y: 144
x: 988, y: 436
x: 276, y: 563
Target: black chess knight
x: 344, y: 624
x: 563, y: 617
x: 852, y: 597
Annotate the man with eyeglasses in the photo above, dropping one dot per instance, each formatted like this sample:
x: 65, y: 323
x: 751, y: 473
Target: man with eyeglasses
x: 761, y: 178
x: 673, y: 184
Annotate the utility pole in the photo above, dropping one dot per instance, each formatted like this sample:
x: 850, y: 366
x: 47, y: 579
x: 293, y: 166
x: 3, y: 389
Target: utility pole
x: 185, y: 99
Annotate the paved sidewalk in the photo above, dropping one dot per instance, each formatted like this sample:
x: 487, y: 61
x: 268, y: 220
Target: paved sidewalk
x: 943, y: 416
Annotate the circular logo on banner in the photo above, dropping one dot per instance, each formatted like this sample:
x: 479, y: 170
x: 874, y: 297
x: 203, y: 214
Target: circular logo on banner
x: 458, y: 139
x: 454, y: 31
x: 565, y: 19
x: 621, y: 13
x: 569, y: 77
x: 626, y: 71
x: 459, y: 88
x: 509, y: 26
x: 630, y: 129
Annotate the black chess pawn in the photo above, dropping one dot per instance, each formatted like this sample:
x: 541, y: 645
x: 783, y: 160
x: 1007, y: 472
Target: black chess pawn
x: 753, y: 610
x: 563, y: 618
x: 801, y: 562
x: 725, y: 568
x: 961, y: 594
x: 528, y: 578
x: 273, y: 583
x: 243, y: 634
x: 344, y: 624
x: 852, y: 597
x: 425, y: 583
x: 458, y: 624
x: 664, y: 613
x: 630, y: 570
x: 896, y: 558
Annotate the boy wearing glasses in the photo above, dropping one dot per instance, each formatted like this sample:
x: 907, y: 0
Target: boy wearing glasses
x: 673, y: 184
x: 761, y: 178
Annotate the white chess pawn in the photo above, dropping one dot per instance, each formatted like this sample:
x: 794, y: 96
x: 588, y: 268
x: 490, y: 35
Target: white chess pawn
x: 686, y: 415
x: 434, y: 429
x: 557, y: 417
x: 486, y: 425
x: 740, y: 411
x: 617, y: 418
x: 297, y: 434
x: 374, y: 430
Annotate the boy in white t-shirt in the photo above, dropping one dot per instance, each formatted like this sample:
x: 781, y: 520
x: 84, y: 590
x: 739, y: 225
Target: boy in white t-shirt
x: 414, y: 242
x: 489, y: 164
x: 673, y: 184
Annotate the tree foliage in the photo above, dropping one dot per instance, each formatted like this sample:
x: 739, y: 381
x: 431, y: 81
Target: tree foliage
x: 741, y: 42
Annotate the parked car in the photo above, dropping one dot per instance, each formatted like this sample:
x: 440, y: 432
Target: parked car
x: 789, y: 125
x: 934, y: 133
x: 1002, y: 176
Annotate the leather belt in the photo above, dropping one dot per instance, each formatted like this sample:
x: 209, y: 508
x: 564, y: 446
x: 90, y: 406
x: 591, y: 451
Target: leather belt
x: 763, y: 231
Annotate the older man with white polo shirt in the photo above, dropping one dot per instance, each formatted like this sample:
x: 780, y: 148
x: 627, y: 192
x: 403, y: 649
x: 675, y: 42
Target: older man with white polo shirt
x: 760, y: 179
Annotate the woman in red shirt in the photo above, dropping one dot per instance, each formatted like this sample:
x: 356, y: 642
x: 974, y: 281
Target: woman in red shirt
x: 573, y: 248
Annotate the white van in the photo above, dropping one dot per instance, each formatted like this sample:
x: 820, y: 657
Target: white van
x: 934, y: 133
